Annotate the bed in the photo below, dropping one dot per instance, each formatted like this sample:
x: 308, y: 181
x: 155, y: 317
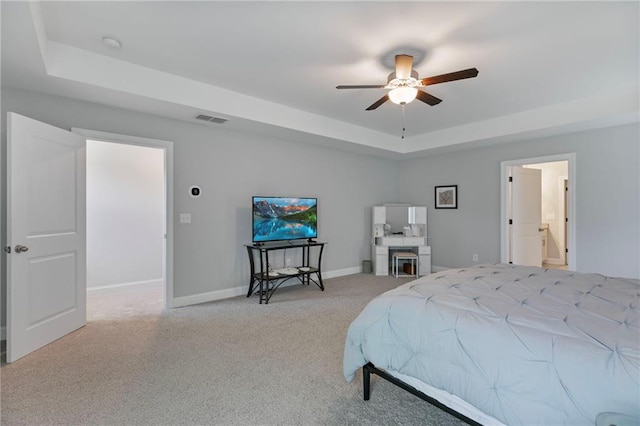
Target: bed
x: 505, y: 344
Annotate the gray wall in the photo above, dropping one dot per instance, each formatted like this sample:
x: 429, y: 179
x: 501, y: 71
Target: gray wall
x: 231, y: 167
x: 607, y: 198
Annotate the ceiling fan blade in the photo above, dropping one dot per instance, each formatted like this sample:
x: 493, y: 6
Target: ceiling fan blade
x: 364, y: 86
x: 427, y: 98
x: 379, y: 102
x: 403, y: 66
x: 452, y: 76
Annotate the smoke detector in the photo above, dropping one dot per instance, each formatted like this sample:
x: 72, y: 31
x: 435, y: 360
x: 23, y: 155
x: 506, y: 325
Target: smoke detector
x: 111, y: 43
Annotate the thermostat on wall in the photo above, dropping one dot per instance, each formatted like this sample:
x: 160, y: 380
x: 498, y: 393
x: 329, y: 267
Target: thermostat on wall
x: 195, y: 191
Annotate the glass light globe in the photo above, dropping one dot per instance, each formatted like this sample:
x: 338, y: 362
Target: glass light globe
x: 403, y: 95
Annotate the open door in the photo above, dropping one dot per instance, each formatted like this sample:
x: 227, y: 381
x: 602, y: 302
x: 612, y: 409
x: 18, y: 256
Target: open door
x: 46, y: 265
x: 526, y: 196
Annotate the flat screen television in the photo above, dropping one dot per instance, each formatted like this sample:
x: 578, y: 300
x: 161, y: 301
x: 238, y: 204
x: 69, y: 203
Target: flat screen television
x: 284, y: 218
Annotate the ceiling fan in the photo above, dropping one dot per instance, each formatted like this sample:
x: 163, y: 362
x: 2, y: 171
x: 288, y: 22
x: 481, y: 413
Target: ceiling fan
x: 405, y: 85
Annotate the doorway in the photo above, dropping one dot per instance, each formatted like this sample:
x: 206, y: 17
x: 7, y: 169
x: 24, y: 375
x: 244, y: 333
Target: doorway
x: 553, y: 212
x: 557, y: 213
x: 125, y: 230
x: 129, y: 198
x: 46, y: 279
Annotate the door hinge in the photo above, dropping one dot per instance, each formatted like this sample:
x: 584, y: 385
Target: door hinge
x: 510, y: 178
x: 510, y: 221
x: 566, y: 250
x: 7, y: 249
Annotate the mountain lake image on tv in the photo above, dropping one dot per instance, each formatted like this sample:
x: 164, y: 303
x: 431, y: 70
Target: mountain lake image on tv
x: 282, y: 218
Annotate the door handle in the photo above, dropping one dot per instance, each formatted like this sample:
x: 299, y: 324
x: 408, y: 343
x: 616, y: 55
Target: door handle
x: 20, y: 249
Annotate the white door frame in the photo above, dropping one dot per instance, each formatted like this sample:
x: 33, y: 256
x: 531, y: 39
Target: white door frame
x: 563, y: 214
x: 167, y: 147
x: 504, y: 207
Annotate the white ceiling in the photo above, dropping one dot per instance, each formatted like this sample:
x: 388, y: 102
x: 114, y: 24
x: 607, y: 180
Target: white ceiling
x: 272, y: 67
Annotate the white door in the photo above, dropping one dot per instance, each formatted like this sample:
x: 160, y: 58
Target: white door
x: 526, y: 196
x: 46, y: 270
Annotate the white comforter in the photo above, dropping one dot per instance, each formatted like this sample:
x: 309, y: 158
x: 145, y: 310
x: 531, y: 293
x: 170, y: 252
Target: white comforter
x: 522, y: 344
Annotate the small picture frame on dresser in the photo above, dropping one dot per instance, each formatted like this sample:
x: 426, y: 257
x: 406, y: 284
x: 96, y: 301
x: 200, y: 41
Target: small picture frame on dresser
x: 446, y: 197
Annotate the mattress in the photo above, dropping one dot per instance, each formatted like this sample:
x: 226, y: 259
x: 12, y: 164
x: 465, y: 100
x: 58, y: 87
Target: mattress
x: 524, y: 345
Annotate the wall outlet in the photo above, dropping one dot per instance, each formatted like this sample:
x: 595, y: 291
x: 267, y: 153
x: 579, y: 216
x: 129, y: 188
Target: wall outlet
x: 185, y: 217
x: 288, y: 262
x: 475, y: 257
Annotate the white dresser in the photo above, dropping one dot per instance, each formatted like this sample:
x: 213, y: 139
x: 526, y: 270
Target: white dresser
x: 405, y: 227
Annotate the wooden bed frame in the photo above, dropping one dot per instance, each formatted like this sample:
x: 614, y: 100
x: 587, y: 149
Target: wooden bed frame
x: 369, y: 369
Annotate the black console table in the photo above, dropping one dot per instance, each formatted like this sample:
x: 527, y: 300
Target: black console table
x: 265, y: 282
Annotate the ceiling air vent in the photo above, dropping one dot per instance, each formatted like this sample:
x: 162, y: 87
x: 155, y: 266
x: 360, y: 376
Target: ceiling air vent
x: 217, y: 120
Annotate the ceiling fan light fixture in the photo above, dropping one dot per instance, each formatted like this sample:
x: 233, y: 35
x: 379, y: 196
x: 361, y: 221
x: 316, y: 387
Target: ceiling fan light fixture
x: 403, y: 95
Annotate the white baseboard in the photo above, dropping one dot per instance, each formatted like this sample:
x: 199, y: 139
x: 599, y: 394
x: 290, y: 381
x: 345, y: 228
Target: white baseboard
x: 103, y: 287
x: 342, y: 272
x: 212, y: 296
x: 438, y: 269
x: 554, y: 261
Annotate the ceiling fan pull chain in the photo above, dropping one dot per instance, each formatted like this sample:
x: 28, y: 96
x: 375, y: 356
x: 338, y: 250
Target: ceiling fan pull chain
x: 402, y: 107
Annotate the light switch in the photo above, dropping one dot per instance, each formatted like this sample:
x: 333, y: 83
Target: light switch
x: 185, y: 217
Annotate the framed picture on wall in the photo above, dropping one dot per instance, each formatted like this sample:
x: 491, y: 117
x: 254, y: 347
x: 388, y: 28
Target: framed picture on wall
x: 446, y: 197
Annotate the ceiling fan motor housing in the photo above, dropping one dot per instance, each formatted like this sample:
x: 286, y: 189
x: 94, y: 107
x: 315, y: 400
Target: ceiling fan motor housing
x: 393, y: 82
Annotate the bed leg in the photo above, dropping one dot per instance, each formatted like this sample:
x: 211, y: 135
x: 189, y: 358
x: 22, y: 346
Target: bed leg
x: 366, y: 381
x: 369, y: 369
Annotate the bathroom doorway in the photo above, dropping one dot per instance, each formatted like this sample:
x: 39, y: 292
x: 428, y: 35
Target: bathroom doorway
x: 556, y: 238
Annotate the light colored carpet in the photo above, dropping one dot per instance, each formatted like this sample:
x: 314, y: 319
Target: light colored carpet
x: 231, y: 362
x: 125, y: 302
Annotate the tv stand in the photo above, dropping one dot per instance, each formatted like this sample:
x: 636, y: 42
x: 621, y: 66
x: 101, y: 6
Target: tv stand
x: 264, y: 282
